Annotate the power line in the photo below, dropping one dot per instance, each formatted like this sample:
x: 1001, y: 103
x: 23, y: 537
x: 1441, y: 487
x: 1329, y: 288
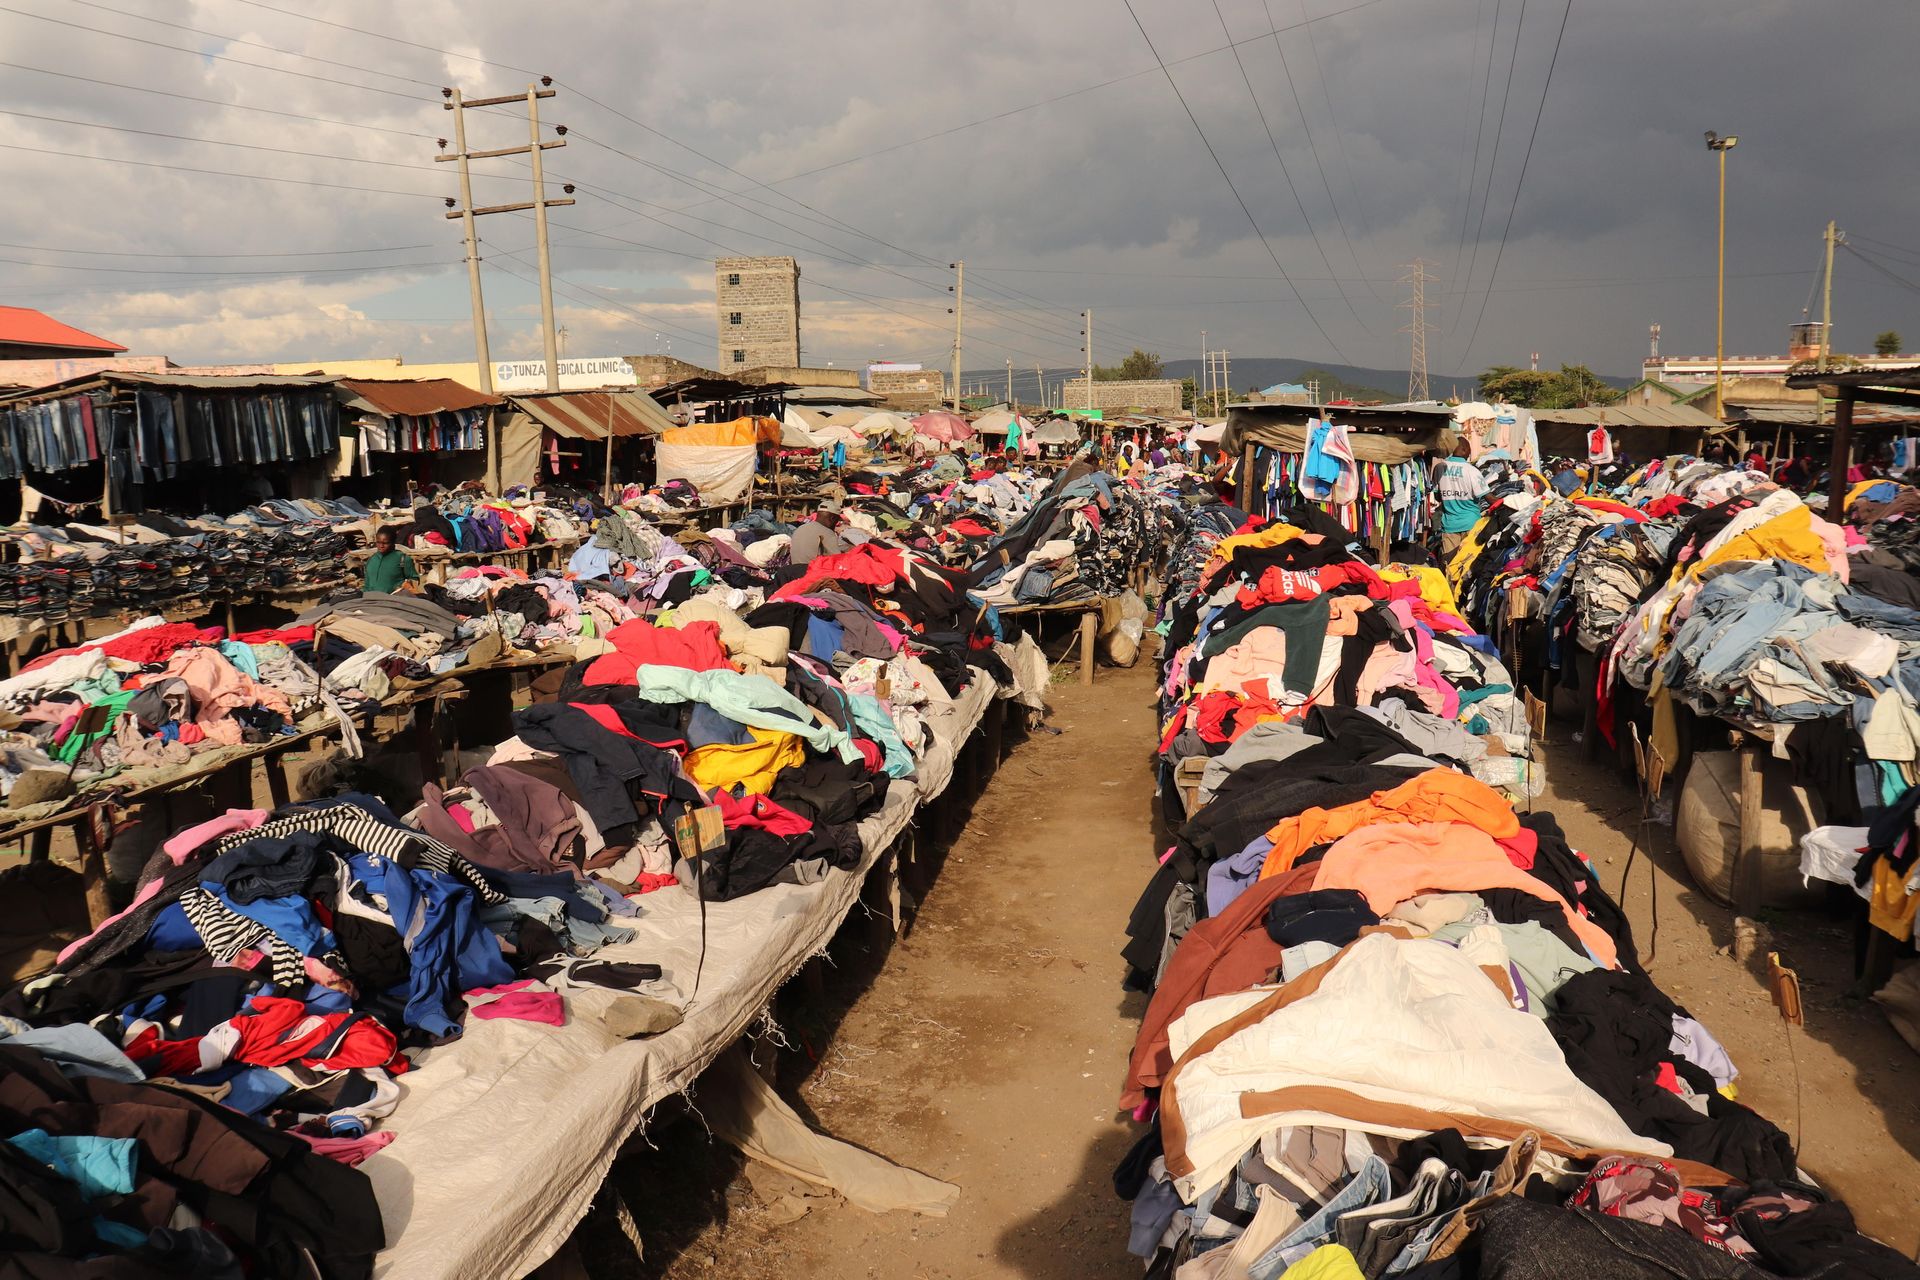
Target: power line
x: 1885, y: 271
x: 223, y: 142
x: 1473, y: 170
x: 1320, y: 73
x: 214, y: 102
x: 382, y: 35
x: 287, y: 271
x: 221, y: 173
x: 216, y: 57
x: 305, y: 253
x: 250, y: 44
x: 1272, y: 142
x: 1225, y: 177
x: 1525, y: 160
x: 1307, y: 127
x: 1059, y: 97
x: 720, y: 192
x: 1499, y: 129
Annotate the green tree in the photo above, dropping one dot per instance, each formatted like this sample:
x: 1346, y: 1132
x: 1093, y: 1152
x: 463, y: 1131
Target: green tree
x: 1571, y: 387
x: 1141, y: 366
x: 1188, y: 390
x: 1887, y: 343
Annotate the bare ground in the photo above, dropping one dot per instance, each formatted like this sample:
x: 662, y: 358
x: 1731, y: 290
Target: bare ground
x: 986, y: 1047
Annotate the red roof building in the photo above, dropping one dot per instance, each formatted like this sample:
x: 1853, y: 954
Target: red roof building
x: 26, y: 334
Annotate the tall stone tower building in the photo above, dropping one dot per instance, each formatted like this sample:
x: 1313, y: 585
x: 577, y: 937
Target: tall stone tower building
x: 757, y: 306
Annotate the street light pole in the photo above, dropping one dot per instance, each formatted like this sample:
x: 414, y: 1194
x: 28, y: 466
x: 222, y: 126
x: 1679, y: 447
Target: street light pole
x: 1722, y: 145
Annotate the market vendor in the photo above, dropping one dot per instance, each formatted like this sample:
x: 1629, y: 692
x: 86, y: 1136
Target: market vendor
x: 818, y: 536
x: 388, y: 568
x: 1462, y: 491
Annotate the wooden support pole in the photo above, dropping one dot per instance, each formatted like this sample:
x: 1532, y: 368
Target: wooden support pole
x: 1089, y: 632
x: 1842, y: 454
x: 1745, y: 884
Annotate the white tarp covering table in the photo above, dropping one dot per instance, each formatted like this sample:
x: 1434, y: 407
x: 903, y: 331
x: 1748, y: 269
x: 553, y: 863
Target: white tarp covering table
x: 506, y: 1134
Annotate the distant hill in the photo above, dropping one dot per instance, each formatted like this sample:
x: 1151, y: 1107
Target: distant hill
x: 1337, y: 381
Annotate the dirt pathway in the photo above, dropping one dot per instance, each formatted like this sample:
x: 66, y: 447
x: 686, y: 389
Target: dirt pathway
x: 986, y: 1047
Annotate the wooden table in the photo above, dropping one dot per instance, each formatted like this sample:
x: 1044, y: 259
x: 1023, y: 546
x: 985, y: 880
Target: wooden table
x: 1089, y: 612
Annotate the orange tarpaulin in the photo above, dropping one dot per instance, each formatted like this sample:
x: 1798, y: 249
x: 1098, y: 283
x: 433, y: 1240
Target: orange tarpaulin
x: 747, y: 431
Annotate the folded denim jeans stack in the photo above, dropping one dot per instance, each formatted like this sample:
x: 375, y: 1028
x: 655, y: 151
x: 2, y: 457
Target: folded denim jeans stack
x: 1396, y: 1026
x: 103, y: 578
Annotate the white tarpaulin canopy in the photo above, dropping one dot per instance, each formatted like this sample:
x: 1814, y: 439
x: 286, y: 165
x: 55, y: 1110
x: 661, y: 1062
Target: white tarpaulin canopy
x: 1056, y: 432
x: 998, y: 422
x: 798, y: 428
x: 885, y: 424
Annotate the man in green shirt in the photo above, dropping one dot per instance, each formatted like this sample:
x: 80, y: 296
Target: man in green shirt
x: 388, y: 569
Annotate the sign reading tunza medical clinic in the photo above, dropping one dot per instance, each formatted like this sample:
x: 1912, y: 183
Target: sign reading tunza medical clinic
x: 575, y: 375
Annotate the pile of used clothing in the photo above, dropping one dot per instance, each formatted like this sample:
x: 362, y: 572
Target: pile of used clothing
x: 1281, y: 622
x: 464, y: 520
x: 171, y: 691
x: 1707, y: 591
x: 1397, y: 1027
x: 83, y: 571
x: 282, y: 972
x: 1083, y: 537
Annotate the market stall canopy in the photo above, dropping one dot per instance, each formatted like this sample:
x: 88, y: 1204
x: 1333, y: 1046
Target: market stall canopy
x: 838, y: 433
x: 1208, y: 432
x: 412, y: 397
x: 1056, y: 432
x: 943, y: 426
x: 741, y: 431
x: 831, y: 395
x: 1390, y: 436
x: 998, y: 422
x: 1642, y: 429
x: 595, y: 415
x: 885, y: 424
x: 798, y: 427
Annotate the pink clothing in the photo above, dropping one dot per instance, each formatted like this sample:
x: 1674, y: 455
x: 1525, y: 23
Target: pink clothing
x: 1434, y: 687
x: 1261, y: 653
x: 1387, y: 668
x: 347, y: 1150
x: 147, y: 890
x: 219, y: 687
x: 1391, y: 862
x: 514, y: 1000
x: 183, y: 845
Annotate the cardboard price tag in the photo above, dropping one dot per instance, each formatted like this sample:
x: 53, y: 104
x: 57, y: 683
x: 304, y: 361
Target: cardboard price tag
x: 699, y: 831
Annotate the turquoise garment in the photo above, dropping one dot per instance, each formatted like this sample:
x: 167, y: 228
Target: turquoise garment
x: 752, y: 700
x: 98, y: 1166
x: 241, y: 656
x: 1458, y: 515
x: 878, y: 725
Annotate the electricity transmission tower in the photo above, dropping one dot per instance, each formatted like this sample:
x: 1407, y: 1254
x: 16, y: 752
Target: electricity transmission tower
x: 1417, y: 279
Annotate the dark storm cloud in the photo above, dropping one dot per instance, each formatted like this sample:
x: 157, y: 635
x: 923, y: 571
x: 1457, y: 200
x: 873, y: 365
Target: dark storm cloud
x: 1110, y: 193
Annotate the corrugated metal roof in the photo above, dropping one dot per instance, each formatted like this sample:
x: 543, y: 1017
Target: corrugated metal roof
x: 25, y: 327
x: 414, y: 397
x: 593, y: 415
x: 1677, y: 417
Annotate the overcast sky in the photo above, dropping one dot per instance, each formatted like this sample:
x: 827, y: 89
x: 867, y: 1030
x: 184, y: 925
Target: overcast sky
x: 1042, y: 143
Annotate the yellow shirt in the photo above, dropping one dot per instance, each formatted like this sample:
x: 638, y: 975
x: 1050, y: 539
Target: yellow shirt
x: 752, y: 764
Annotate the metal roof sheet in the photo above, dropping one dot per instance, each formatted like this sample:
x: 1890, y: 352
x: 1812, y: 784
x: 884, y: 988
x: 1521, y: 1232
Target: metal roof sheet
x: 594, y: 415
x: 414, y: 397
x: 25, y: 327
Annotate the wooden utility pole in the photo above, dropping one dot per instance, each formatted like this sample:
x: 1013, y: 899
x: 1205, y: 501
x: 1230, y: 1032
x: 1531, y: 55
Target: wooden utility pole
x: 959, y: 287
x: 1204, y: 366
x: 1087, y: 333
x: 466, y: 212
x: 1826, y: 303
x: 535, y: 148
x: 457, y: 106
